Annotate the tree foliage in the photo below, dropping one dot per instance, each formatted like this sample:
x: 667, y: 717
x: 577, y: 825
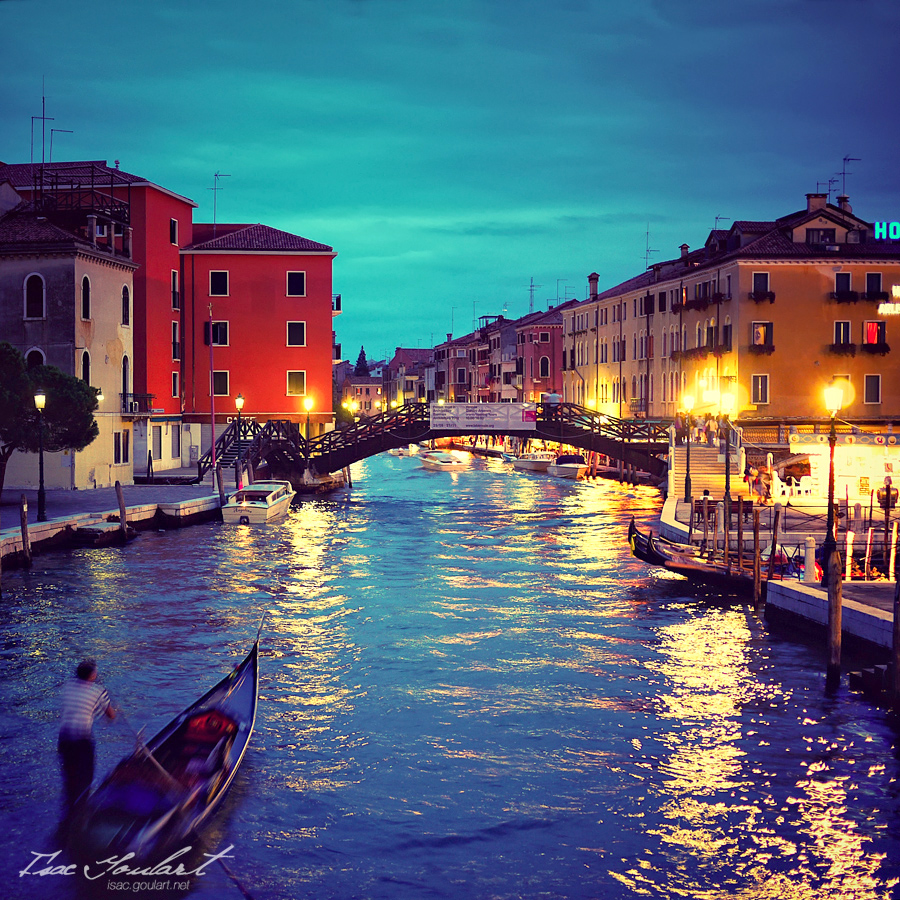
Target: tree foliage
x: 68, y: 416
x: 362, y: 364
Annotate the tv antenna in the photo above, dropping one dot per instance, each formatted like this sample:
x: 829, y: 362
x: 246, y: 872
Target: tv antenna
x: 52, y: 132
x: 531, y: 289
x: 722, y: 219
x: 215, y: 189
x: 647, y: 250
x: 844, y: 173
x: 44, y: 119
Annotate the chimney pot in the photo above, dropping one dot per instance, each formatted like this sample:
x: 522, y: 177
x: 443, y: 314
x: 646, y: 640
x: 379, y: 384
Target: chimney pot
x: 593, y: 280
x: 816, y: 201
x: 684, y: 251
x: 844, y: 203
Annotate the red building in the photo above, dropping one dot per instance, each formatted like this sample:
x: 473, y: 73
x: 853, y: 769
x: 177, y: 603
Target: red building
x: 258, y: 315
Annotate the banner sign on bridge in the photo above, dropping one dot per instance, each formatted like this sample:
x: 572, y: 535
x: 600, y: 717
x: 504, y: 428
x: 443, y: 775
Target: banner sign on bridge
x: 480, y: 417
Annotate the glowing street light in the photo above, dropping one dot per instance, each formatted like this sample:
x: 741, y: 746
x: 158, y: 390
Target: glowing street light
x: 40, y: 401
x: 239, y: 405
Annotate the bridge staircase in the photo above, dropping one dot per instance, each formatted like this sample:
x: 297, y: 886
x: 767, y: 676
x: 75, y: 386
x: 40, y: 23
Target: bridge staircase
x: 707, y: 471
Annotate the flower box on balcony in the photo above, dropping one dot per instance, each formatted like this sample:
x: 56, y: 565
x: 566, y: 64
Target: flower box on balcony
x: 761, y: 349
x: 880, y: 349
x: 845, y: 296
x: 843, y: 349
x: 876, y: 295
x: 760, y: 296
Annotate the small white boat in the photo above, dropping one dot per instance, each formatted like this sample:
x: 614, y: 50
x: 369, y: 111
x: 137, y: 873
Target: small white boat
x: 568, y: 465
x: 401, y: 451
x: 534, y: 462
x: 441, y: 461
x: 258, y: 503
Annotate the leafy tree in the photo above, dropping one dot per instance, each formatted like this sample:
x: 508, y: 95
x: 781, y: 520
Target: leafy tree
x: 362, y: 364
x: 68, y: 417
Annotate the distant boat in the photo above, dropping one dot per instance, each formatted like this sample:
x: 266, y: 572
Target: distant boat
x: 258, y: 503
x: 441, y: 461
x: 509, y: 457
x: 534, y: 462
x: 401, y: 451
x: 568, y: 465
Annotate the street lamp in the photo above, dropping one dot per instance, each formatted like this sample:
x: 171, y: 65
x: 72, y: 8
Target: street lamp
x: 834, y: 400
x: 239, y: 405
x: 687, y: 404
x: 40, y: 401
x: 726, y: 404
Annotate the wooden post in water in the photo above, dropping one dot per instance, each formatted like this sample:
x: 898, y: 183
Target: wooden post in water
x: 705, y: 523
x: 26, y: 541
x: 835, y: 584
x: 123, y: 513
x: 895, y: 656
x: 726, y: 549
x: 756, y: 572
x: 773, y: 548
x: 740, y: 531
x: 220, y: 481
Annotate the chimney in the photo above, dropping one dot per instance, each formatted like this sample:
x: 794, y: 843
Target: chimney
x: 593, y: 280
x: 684, y: 251
x: 816, y: 201
x: 844, y: 203
x: 449, y: 336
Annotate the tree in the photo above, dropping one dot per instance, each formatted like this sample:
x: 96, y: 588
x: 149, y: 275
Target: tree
x: 68, y: 417
x: 362, y: 364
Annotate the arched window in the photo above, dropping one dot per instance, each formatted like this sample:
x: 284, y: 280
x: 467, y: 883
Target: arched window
x: 34, y: 358
x: 545, y: 367
x: 126, y: 306
x: 85, y: 297
x: 86, y: 367
x: 34, y: 297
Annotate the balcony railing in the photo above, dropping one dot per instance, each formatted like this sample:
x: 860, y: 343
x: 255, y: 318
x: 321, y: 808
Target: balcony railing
x: 879, y: 347
x: 761, y: 296
x: 845, y: 296
x: 762, y: 349
x: 843, y: 349
x: 137, y: 404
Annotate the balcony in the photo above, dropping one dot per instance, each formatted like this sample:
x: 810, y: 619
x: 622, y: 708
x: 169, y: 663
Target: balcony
x: 138, y: 405
x: 876, y: 295
x: 845, y: 296
x: 843, y: 349
x: 762, y: 349
x: 761, y: 296
x: 881, y: 348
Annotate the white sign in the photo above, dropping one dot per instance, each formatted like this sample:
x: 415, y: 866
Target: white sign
x: 889, y: 309
x: 479, y: 417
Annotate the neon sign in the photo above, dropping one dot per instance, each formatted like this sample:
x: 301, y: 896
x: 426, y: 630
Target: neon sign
x: 887, y: 231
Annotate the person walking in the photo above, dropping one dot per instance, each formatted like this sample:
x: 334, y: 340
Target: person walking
x: 83, y: 700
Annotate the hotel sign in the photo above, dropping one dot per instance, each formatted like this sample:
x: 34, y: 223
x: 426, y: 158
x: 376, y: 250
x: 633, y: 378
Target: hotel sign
x: 481, y: 417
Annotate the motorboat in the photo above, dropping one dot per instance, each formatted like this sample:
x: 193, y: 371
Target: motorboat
x: 442, y: 461
x: 258, y: 503
x: 401, y: 451
x: 568, y: 465
x: 160, y: 796
x: 536, y: 461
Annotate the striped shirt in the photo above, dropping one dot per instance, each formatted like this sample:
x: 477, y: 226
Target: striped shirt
x: 82, y: 702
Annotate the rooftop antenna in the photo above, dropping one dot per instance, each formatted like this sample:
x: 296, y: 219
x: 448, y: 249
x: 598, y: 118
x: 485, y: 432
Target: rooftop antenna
x: 44, y: 120
x: 452, y: 310
x: 215, y: 189
x: 831, y: 183
x: 845, y: 173
x: 52, y: 132
x: 558, y: 280
x: 718, y: 219
x: 648, y: 251
x: 531, y: 288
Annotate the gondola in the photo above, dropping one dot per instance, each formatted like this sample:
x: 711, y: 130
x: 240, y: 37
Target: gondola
x: 654, y: 550
x: 166, y: 790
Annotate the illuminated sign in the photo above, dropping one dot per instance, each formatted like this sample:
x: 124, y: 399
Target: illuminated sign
x: 889, y: 309
x: 887, y: 230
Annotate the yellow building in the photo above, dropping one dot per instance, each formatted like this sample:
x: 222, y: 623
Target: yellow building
x: 765, y: 312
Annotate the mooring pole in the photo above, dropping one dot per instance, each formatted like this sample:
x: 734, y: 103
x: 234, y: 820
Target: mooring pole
x: 835, y: 584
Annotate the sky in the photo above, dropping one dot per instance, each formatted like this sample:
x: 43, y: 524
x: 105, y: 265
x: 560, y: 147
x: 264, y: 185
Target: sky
x: 454, y: 153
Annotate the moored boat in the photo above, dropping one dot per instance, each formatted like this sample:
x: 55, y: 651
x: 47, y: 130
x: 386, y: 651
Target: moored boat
x: 568, y: 465
x: 536, y: 461
x: 258, y: 503
x: 163, y: 793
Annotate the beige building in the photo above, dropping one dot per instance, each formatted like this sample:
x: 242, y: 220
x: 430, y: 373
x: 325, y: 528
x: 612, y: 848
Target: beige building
x: 768, y: 313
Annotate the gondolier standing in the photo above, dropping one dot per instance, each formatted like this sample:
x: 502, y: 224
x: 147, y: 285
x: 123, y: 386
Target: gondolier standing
x: 83, y: 700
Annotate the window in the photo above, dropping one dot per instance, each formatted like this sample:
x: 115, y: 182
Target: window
x: 296, y: 383
x: 842, y: 282
x: 126, y: 306
x: 759, y: 389
x: 761, y: 334
x: 156, y: 441
x: 219, y: 333
x: 218, y: 284
x: 86, y: 367
x: 176, y: 344
x: 176, y: 440
x: 872, y: 389
x: 662, y: 301
x: 126, y: 446
x: 296, y: 284
x: 873, y: 286
x: 34, y: 297
x: 173, y: 231
x: 819, y: 235
x: 874, y: 333
x: 544, y: 337
x: 460, y: 376
x: 296, y: 334
x: 544, y: 365
x: 176, y: 295
x: 85, y: 297
x: 760, y: 282
x: 33, y: 359
x: 726, y: 334
x: 842, y: 332
x: 220, y: 384
x: 117, y: 448
x: 175, y: 392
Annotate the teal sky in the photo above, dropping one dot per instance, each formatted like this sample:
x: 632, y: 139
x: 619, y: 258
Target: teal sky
x: 451, y: 151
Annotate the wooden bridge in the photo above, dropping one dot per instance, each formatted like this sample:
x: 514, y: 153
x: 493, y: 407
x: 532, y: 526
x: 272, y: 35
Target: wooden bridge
x: 282, y: 444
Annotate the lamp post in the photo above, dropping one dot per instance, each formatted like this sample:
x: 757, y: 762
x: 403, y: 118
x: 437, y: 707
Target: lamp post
x: 239, y: 405
x: 687, y: 404
x: 834, y: 399
x: 40, y: 401
x: 727, y: 406
x: 307, y: 405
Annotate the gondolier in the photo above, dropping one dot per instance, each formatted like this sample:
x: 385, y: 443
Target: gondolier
x: 83, y: 700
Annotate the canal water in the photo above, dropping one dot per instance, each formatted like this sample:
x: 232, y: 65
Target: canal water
x: 469, y: 689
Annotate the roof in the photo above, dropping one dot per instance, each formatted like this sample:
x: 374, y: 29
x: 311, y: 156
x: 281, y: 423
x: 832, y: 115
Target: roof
x: 257, y: 237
